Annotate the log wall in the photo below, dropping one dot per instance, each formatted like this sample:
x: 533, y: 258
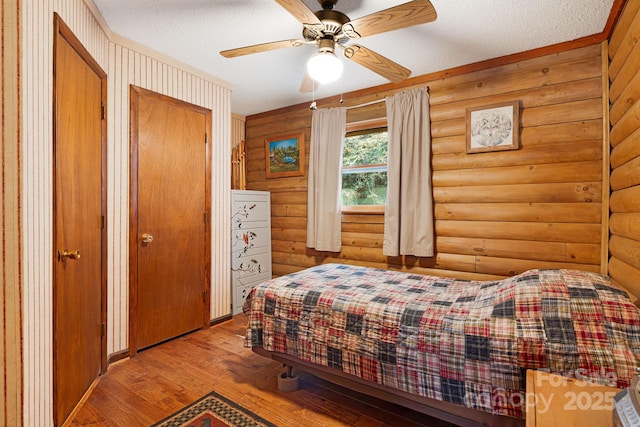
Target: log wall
x: 624, y: 116
x: 497, y: 214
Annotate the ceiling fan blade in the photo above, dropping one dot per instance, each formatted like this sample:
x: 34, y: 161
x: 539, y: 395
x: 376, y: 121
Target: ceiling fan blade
x: 308, y: 84
x: 376, y: 63
x: 263, y: 47
x: 402, y: 16
x: 300, y: 11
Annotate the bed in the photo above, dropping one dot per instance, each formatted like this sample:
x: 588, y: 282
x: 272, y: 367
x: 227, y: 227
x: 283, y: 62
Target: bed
x: 455, y: 349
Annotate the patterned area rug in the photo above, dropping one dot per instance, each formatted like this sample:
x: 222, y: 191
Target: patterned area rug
x: 214, y: 410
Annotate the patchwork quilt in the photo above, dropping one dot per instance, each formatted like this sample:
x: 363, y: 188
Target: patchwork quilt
x: 461, y: 341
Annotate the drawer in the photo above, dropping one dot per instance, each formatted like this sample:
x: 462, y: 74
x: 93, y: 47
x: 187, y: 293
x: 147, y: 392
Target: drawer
x: 249, y: 269
x: 250, y: 214
x: 250, y: 242
x: 240, y: 294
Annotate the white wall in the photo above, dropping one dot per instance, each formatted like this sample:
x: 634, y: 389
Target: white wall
x: 126, y: 63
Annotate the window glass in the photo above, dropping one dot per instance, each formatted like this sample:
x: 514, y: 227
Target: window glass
x: 364, y: 168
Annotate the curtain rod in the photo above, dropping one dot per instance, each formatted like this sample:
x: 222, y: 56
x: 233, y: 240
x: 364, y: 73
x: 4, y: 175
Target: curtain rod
x: 365, y: 104
x: 371, y: 102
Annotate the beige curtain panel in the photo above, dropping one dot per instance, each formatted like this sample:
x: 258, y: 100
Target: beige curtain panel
x: 408, y: 221
x: 328, y: 127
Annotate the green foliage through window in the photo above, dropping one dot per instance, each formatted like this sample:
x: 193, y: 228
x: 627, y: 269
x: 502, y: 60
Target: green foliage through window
x: 364, y: 168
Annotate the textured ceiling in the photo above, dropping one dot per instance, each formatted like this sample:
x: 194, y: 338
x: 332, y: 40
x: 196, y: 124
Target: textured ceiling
x: 466, y: 31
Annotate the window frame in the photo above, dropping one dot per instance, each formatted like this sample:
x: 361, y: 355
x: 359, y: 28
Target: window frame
x: 363, y: 126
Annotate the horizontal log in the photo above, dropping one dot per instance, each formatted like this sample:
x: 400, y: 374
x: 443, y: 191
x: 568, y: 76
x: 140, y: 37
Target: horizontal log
x: 294, y: 183
x: 584, y: 253
x: 543, y: 232
x: 625, y: 275
x: 625, y: 225
x: 621, y: 28
x: 523, y: 174
x: 525, y: 249
x: 565, y: 152
x: 555, y: 133
x: 349, y: 255
x: 448, y: 144
x: 535, y: 66
x: 627, y: 250
x: 511, y: 267
x: 289, y: 210
x: 629, y: 96
x: 498, y: 83
x: 625, y: 47
x: 268, y: 125
x: 626, y: 175
x: 362, y: 219
x: 623, y: 77
x: 524, y: 212
x: 289, y: 197
x: 289, y: 235
x: 365, y: 240
x: 528, y: 97
x: 283, y: 269
x: 369, y: 112
x: 521, y: 249
x: 626, y: 150
x: 588, y: 109
x: 521, y: 193
x: 284, y: 223
x: 446, y: 128
x: 625, y: 201
x: 288, y: 246
x: 627, y: 124
x: 576, y: 111
x: 354, y: 227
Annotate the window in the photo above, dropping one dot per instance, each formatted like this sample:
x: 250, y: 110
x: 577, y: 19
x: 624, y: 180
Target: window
x: 364, y: 168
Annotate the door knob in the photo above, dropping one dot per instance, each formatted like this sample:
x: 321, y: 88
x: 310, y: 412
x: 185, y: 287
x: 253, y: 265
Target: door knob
x: 147, y: 238
x: 65, y: 254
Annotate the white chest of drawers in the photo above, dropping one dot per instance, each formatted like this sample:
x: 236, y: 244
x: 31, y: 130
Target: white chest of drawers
x: 250, y: 242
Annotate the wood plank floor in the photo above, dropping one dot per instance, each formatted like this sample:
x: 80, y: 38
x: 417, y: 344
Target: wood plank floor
x: 161, y: 380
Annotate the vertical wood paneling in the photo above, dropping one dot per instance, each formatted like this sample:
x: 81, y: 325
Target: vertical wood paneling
x: 496, y: 214
x: 130, y: 67
x: 624, y: 264
x: 10, y: 243
x: 237, y: 129
x: 37, y: 32
x: 124, y: 65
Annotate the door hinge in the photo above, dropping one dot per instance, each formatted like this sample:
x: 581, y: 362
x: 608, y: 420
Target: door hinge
x: 206, y: 138
x: 206, y: 217
x: 102, y: 111
x: 102, y: 330
x: 103, y: 225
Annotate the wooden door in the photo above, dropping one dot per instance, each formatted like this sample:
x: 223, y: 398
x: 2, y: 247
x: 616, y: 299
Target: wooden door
x: 170, y: 237
x: 79, y: 282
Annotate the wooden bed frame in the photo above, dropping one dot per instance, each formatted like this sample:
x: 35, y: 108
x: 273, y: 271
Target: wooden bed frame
x: 445, y: 411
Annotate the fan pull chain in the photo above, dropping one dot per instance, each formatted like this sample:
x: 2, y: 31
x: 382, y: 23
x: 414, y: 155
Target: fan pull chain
x: 313, y: 94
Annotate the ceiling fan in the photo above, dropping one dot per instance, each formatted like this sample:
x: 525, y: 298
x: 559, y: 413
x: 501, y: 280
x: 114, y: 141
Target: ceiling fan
x: 329, y: 28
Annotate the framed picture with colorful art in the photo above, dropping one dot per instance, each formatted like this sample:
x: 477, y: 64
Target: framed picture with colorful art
x: 284, y: 155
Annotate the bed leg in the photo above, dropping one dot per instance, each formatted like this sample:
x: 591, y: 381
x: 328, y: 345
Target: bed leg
x: 288, y: 382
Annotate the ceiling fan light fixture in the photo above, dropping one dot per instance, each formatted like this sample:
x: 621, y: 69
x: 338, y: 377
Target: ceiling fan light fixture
x: 324, y: 67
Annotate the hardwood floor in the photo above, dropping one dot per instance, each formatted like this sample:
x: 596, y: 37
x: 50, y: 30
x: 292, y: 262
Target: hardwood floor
x: 161, y: 380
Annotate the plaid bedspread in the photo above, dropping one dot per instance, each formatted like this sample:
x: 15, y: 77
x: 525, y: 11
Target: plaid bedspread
x: 466, y: 342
